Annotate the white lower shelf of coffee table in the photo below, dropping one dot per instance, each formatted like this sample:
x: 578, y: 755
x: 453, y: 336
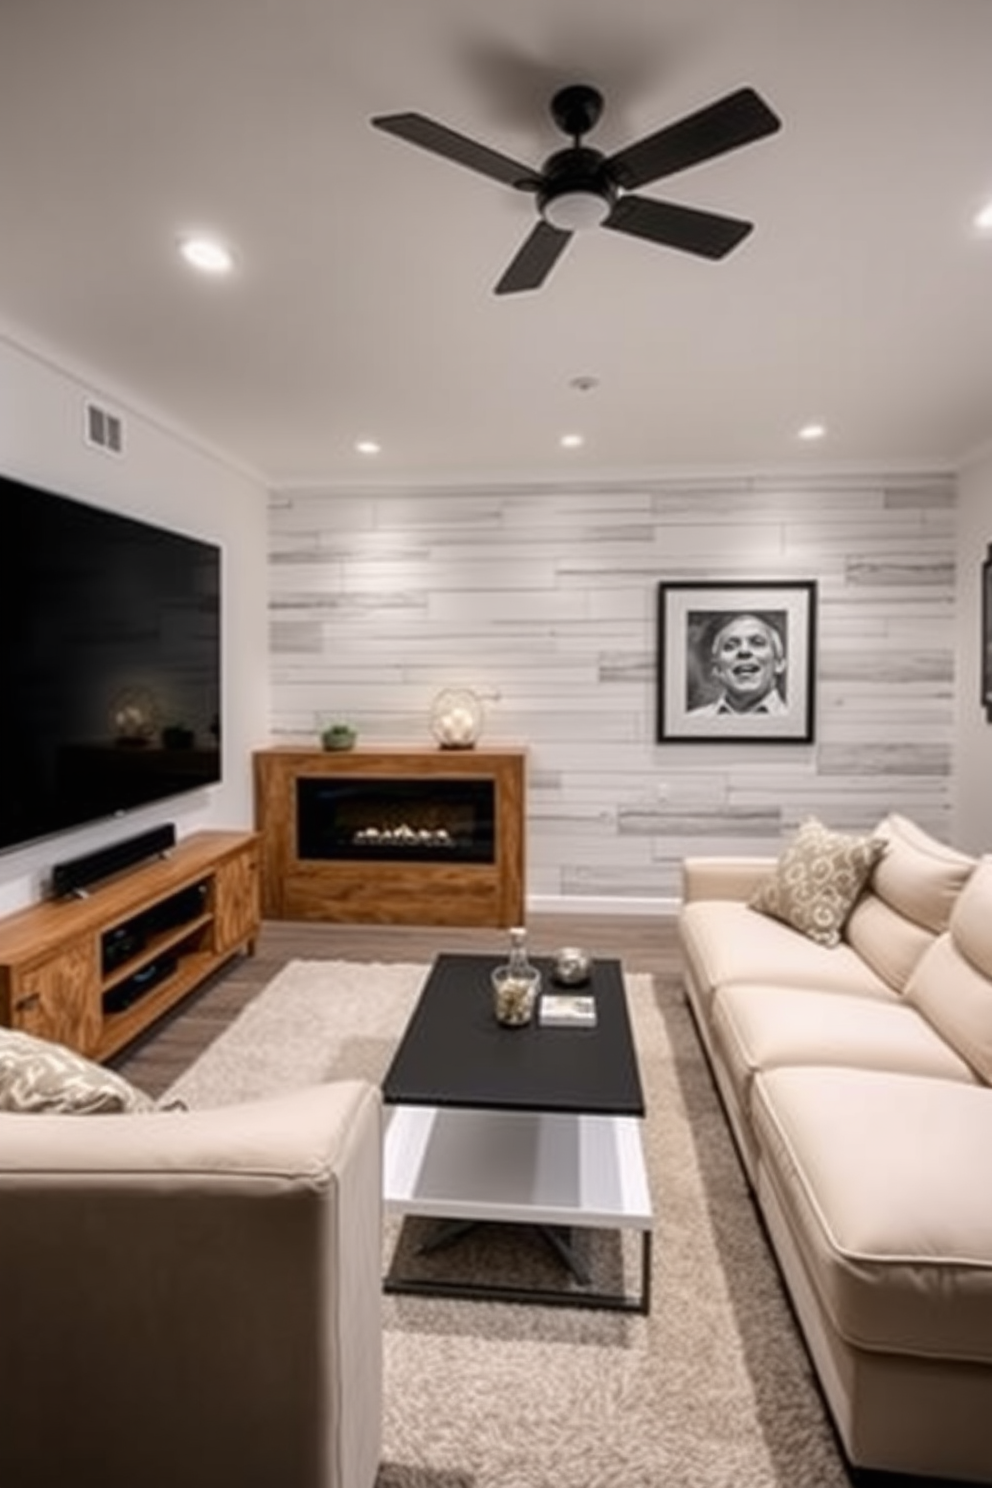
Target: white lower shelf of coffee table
x: 516, y: 1167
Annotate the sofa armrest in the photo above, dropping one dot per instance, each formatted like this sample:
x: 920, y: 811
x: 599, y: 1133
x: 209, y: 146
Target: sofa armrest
x: 723, y: 877
x: 216, y: 1270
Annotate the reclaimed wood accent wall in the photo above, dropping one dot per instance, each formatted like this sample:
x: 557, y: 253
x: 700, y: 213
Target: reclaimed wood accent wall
x: 543, y: 599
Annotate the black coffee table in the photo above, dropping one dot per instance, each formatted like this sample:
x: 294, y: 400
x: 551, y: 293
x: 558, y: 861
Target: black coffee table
x: 535, y: 1125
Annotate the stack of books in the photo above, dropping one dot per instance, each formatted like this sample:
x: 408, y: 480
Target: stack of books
x: 567, y: 1010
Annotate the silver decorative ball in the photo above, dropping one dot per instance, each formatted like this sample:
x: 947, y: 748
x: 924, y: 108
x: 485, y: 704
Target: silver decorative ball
x: 572, y: 966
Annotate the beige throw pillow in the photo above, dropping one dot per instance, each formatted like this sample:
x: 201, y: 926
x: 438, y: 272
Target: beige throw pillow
x: 817, y: 880
x: 39, y: 1077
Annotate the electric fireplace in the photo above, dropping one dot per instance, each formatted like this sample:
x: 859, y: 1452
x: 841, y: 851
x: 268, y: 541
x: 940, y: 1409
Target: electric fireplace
x: 396, y: 835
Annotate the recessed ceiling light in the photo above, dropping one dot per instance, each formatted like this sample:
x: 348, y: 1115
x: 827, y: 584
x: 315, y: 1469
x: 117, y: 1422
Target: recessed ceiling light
x: 367, y: 447
x: 572, y: 441
x: 983, y: 219
x: 812, y: 431
x: 209, y: 255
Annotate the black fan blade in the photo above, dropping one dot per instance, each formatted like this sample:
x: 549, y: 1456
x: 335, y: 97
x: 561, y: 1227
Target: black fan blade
x: 535, y: 259
x: 703, y: 233
x: 429, y: 135
x: 738, y: 119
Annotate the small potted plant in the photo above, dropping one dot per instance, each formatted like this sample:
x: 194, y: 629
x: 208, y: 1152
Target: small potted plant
x: 339, y: 736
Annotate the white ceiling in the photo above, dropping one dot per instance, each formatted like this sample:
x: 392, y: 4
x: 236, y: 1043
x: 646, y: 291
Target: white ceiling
x: 362, y: 304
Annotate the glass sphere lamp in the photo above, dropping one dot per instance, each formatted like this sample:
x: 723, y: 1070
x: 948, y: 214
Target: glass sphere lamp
x: 456, y: 718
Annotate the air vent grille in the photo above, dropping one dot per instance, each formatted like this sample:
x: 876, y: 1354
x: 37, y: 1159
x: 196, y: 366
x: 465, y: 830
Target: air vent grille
x: 102, y: 429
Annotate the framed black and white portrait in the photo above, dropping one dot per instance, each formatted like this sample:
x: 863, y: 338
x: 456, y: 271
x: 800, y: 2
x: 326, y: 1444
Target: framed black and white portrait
x: 736, y: 662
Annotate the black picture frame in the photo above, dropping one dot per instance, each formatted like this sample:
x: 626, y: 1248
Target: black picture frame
x: 763, y: 690
x: 987, y: 633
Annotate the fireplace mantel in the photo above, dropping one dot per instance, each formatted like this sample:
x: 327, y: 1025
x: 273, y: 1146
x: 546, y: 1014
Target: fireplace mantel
x: 394, y: 886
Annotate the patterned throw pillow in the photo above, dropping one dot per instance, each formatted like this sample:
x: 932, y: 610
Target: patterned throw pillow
x: 817, y: 880
x: 38, y: 1077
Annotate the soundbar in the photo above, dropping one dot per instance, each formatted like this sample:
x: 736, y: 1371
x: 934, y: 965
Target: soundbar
x: 77, y: 874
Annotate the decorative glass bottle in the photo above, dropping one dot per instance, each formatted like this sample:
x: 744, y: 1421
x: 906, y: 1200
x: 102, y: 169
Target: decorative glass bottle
x: 517, y: 984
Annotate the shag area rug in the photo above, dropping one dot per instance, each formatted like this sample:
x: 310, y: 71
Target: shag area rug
x: 713, y: 1388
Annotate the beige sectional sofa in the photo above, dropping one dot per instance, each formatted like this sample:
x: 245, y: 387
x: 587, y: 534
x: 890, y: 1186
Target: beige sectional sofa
x: 190, y: 1299
x: 856, y: 1080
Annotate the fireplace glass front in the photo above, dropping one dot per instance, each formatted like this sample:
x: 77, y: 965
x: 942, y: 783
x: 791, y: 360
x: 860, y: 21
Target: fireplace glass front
x: 388, y: 820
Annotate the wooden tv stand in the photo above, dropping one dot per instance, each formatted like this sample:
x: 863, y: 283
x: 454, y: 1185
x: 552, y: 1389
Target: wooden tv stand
x: 94, y: 972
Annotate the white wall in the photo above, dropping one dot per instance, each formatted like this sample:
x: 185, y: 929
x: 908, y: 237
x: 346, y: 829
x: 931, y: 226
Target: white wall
x: 167, y: 480
x: 545, y: 599
x: 973, y: 761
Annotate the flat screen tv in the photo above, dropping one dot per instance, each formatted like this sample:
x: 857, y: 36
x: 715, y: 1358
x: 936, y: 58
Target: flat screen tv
x: 109, y: 663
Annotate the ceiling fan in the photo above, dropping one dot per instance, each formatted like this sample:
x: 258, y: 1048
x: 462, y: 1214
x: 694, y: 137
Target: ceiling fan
x: 580, y: 187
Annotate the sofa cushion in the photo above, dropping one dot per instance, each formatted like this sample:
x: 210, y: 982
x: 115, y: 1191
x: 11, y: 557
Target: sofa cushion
x: 38, y: 1077
x: 952, y: 985
x: 724, y: 942
x: 886, y: 941
x: 918, y: 876
x: 912, y: 891
x: 971, y: 920
x: 758, y: 1028
x: 817, y: 880
x: 880, y: 1177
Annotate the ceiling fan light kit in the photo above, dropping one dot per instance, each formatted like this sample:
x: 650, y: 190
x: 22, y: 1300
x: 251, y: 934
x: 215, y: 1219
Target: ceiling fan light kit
x: 579, y: 188
x: 575, y: 210
x: 576, y: 191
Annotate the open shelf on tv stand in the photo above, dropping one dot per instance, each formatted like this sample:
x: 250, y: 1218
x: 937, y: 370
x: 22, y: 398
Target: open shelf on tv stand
x: 95, y: 972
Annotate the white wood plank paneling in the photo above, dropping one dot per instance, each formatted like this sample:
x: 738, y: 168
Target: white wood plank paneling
x: 544, y: 600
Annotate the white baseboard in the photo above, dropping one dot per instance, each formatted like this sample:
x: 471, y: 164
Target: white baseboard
x: 573, y: 904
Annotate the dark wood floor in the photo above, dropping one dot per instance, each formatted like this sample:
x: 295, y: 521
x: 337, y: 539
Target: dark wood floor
x: 152, y: 1063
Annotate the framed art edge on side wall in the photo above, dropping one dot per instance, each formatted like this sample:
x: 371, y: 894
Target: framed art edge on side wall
x: 987, y: 633
x: 737, y: 662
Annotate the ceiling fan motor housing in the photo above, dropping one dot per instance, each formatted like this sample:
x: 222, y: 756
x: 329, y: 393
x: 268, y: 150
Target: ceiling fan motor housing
x: 577, y: 189
x: 577, y: 109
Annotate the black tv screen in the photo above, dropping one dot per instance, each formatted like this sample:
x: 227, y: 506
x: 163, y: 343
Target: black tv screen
x: 109, y: 663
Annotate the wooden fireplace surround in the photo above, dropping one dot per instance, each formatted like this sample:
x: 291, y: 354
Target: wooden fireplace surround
x: 393, y: 892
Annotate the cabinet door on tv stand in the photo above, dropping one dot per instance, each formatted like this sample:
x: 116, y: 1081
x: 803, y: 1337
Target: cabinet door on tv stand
x: 236, y: 902
x: 58, y: 999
